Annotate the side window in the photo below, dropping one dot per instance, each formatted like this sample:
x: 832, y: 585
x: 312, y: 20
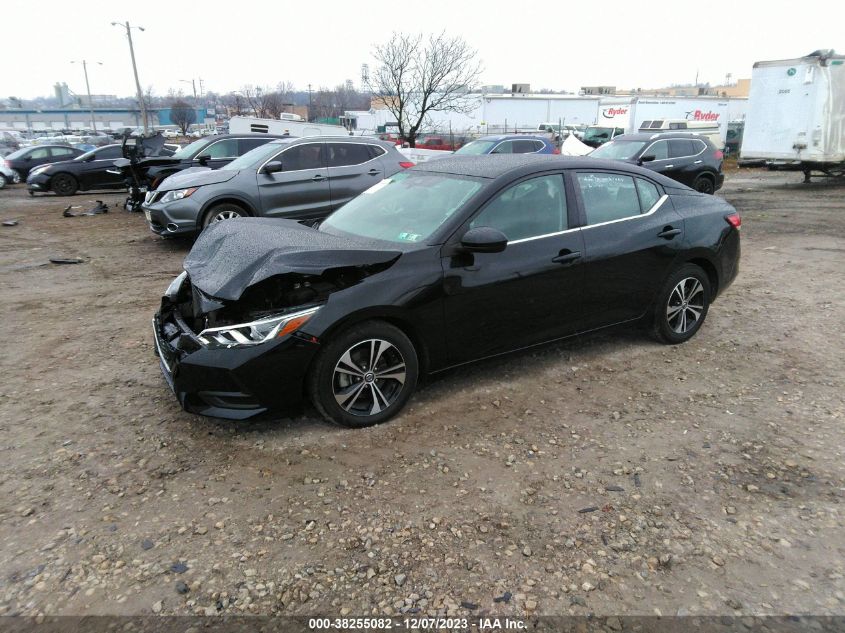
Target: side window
x: 524, y: 147
x: 109, y: 152
x: 531, y: 208
x: 678, y: 148
x: 61, y: 152
x: 505, y: 147
x: 608, y: 197
x: 344, y: 154
x: 660, y: 150
x: 41, y: 152
x: 227, y: 148
x: 247, y: 144
x: 375, y: 150
x: 649, y: 195
x: 699, y: 146
x: 305, y: 156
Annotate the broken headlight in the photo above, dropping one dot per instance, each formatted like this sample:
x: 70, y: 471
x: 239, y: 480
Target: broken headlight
x: 177, y: 194
x: 255, y: 332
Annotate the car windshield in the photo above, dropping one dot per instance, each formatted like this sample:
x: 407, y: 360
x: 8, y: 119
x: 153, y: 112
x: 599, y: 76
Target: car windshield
x: 405, y: 208
x: 189, y: 150
x: 619, y: 150
x: 477, y: 148
x: 260, y: 153
x: 598, y: 133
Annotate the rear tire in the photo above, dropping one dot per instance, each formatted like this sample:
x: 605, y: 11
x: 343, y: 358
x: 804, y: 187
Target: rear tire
x: 681, y: 305
x: 220, y: 212
x: 16, y: 177
x: 704, y: 184
x: 64, y: 184
x: 3, y: 181
x: 364, y: 375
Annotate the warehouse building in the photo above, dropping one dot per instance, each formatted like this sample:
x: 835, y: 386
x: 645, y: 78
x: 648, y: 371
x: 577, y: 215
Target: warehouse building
x: 79, y: 119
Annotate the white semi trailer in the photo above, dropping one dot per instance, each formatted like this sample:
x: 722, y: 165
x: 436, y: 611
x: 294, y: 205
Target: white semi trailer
x: 251, y: 125
x: 796, y: 114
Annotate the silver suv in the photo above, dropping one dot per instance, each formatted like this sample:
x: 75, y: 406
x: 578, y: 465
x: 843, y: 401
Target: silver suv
x: 295, y: 178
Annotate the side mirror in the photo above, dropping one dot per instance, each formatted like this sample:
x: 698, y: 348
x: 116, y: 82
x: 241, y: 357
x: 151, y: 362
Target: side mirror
x: 484, y: 239
x: 647, y: 158
x: 273, y: 167
x: 204, y: 159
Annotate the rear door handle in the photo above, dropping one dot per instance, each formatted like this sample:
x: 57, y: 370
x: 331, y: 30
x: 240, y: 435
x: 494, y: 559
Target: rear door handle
x: 698, y: 162
x: 668, y: 233
x: 373, y: 172
x: 318, y: 178
x: 567, y: 257
x: 668, y: 166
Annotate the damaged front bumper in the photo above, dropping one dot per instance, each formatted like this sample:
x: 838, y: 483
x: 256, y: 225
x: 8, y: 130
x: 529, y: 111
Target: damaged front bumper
x: 38, y: 182
x: 234, y: 383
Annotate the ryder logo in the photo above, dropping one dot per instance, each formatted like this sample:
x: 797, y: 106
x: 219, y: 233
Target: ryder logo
x: 609, y: 113
x: 698, y: 115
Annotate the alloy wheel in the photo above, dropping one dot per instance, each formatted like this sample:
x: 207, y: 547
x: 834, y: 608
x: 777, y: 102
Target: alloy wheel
x: 685, y: 306
x: 226, y: 214
x: 369, y: 377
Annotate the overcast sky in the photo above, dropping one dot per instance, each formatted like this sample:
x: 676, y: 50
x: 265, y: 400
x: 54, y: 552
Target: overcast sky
x: 548, y: 44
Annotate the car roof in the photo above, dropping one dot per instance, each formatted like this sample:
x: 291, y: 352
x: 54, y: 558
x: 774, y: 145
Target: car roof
x: 346, y: 139
x: 508, y: 137
x: 656, y: 136
x: 493, y: 166
x: 217, y: 137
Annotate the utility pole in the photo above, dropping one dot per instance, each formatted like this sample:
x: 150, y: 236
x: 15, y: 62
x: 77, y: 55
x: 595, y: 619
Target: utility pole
x: 141, y: 102
x: 194, y: 86
x: 309, y: 103
x: 88, y: 90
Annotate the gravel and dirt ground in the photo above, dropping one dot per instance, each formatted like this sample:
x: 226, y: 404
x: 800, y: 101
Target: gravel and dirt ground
x: 607, y: 474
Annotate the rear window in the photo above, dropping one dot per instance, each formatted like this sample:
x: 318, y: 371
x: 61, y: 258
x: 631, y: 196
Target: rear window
x: 346, y: 154
x: 678, y: 148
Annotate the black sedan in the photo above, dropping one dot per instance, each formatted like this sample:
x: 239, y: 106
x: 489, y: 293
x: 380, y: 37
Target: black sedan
x: 688, y: 158
x: 91, y: 170
x: 25, y: 159
x: 449, y: 262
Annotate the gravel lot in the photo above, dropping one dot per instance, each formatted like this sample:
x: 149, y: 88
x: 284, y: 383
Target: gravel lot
x: 604, y: 475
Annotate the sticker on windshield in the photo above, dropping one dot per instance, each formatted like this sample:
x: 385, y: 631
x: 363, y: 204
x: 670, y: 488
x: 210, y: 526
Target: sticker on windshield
x: 410, y: 237
x: 378, y: 185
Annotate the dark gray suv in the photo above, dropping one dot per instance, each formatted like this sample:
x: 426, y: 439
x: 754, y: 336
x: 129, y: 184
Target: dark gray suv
x: 296, y: 178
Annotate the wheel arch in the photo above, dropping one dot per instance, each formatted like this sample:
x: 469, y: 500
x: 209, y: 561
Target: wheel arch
x: 225, y: 199
x: 712, y: 272
x: 393, y: 316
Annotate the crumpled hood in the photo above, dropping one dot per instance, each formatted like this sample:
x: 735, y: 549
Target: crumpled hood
x: 196, y: 177
x: 232, y: 255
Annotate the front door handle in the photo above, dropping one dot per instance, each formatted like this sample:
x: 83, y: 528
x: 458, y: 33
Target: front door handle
x: 318, y: 178
x: 567, y: 257
x: 668, y: 233
x: 668, y: 166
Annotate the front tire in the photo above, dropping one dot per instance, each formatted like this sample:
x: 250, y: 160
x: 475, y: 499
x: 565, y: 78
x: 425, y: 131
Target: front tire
x: 16, y: 177
x: 64, y: 184
x: 3, y: 181
x: 681, y: 305
x: 365, y: 375
x: 220, y: 212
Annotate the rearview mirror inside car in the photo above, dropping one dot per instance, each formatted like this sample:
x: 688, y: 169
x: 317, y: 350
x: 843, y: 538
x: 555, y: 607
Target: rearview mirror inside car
x: 274, y: 166
x: 647, y: 158
x: 484, y: 239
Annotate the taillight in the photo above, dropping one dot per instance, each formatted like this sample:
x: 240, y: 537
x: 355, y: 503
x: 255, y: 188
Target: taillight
x: 8, y: 163
x: 555, y: 151
x: 734, y: 220
x: 719, y: 155
x: 406, y: 164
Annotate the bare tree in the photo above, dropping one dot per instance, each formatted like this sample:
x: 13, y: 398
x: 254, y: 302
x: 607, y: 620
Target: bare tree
x: 266, y: 102
x: 235, y: 103
x: 183, y: 115
x: 415, y: 78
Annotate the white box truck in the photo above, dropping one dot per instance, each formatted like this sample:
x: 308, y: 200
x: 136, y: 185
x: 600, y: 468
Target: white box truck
x: 250, y: 125
x: 796, y: 114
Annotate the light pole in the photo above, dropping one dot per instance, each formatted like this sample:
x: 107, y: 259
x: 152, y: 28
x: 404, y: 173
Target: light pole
x: 135, y: 69
x: 88, y: 89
